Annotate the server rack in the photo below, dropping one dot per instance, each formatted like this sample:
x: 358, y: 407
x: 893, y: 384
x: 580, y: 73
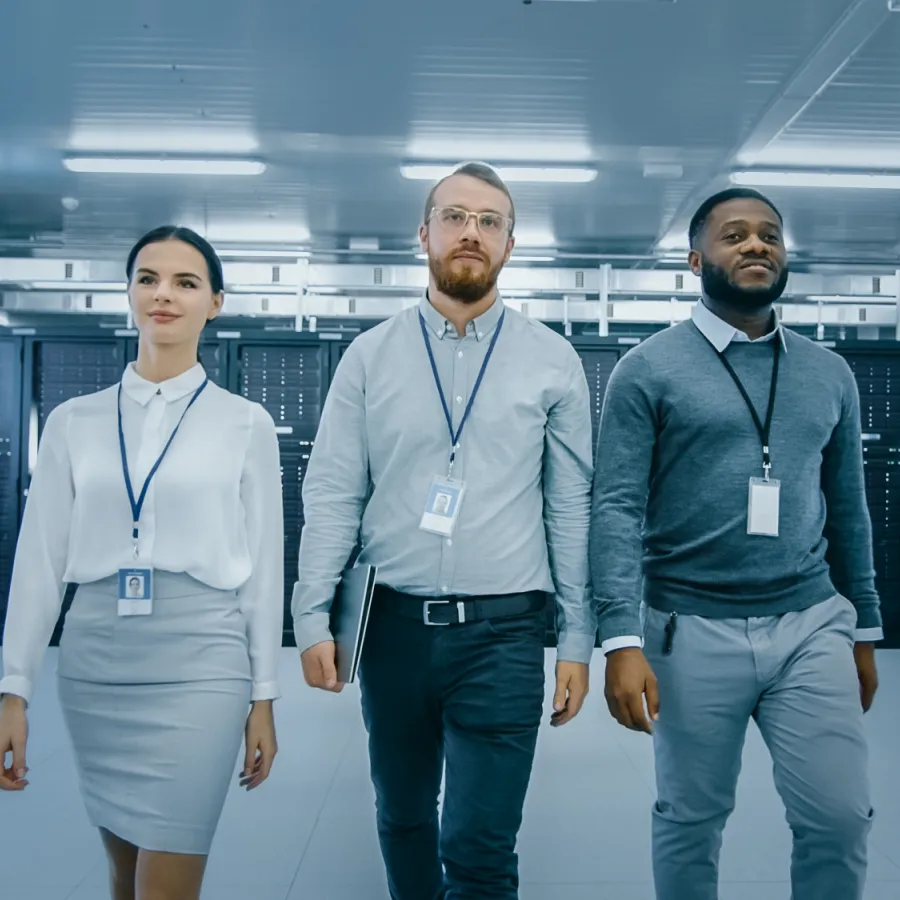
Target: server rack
x: 10, y: 448
x: 877, y: 373
x: 57, y: 368
x: 289, y: 376
x: 599, y: 358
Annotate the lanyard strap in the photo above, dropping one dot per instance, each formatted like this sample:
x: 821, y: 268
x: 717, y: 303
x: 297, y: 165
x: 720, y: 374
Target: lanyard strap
x: 138, y: 505
x: 764, y: 429
x: 455, y: 436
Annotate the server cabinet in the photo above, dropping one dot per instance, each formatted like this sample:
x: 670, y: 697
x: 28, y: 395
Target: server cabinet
x: 56, y: 370
x: 290, y: 381
x: 877, y: 373
x: 10, y: 403
x: 63, y: 369
x: 883, y: 492
x: 598, y: 362
x: 214, y: 358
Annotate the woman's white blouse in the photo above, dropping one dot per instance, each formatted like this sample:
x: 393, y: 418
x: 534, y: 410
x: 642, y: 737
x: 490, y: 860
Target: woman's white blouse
x: 213, y: 511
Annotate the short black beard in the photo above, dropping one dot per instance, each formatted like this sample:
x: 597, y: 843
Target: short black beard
x: 464, y: 286
x: 720, y: 288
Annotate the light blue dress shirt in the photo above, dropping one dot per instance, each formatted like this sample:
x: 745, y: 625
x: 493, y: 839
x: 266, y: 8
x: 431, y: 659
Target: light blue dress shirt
x: 525, y: 456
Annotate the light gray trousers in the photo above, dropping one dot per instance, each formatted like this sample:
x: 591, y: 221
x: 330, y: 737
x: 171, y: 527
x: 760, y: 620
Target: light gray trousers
x: 796, y: 677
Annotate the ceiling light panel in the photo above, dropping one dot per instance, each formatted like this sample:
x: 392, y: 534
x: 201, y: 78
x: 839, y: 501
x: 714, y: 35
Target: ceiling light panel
x: 845, y: 180
x: 109, y: 165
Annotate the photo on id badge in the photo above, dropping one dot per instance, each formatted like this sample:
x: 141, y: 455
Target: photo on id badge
x: 442, y: 508
x: 135, y: 595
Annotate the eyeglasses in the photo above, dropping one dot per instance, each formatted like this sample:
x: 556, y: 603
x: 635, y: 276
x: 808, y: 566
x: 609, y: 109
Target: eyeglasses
x: 454, y: 220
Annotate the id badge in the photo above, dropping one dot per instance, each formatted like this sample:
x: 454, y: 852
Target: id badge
x: 763, y: 507
x: 135, y: 592
x: 442, y: 509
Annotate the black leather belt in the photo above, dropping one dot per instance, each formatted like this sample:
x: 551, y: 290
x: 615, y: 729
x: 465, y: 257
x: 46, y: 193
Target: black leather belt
x: 458, y: 610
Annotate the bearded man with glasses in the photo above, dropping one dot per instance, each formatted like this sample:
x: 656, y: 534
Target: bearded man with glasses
x: 455, y: 448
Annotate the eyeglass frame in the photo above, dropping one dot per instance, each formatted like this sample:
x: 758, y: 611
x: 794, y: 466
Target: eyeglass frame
x: 511, y: 223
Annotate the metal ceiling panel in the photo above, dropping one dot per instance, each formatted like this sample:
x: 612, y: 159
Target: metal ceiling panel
x: 334, y: 95
x: 853, y: 123
x: 860, y: 108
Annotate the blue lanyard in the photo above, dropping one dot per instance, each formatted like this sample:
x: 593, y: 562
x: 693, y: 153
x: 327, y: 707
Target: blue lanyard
x: 138, y: 505
x: 455, y: 436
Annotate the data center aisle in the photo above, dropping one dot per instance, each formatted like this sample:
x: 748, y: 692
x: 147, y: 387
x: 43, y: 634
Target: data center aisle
x: 309, y: 833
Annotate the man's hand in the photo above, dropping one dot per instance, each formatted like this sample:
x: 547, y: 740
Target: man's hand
x: 629, y: 679
x: 572, y: 686
x: 319, y: 667
x: 864, y: 654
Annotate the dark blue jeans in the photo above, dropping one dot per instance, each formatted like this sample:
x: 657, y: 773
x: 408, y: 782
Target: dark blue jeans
x: 469, y: 697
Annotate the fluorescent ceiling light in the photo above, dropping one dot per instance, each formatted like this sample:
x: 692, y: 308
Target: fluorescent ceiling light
x: 512, y: 149
x: 291, y: 234
x: 124, y: 139
x: 262, y: 254
x: 544, y: 174
x: 515, y: 292
x: 799, y: 156
x: 850, y: 298
x: 262, y: 289
x: 852, y: 180
x: 96, y: 287
x: 163, y: 166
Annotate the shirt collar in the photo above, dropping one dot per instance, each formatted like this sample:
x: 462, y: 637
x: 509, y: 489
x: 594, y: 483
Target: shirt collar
x: 479, y: 328
x: 142, y: 391
x: 720, y: 334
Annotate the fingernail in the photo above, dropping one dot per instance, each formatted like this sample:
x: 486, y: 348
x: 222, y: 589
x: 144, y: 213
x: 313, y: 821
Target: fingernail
x: 20, y: 773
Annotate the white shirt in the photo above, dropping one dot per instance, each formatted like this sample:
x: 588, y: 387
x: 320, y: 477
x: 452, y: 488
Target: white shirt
x: 720, y: 334
x: 213, y: 511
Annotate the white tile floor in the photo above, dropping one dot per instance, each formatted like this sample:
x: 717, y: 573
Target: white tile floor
x: 309, y: 833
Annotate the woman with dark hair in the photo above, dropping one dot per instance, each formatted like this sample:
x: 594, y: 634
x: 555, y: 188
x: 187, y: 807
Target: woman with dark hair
x: 161, y: 499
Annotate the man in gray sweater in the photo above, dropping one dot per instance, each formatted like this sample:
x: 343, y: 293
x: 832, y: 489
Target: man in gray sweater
x: 729, y: 492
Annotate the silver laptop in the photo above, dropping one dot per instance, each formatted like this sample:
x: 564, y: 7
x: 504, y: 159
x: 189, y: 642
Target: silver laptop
x: 350, y: 617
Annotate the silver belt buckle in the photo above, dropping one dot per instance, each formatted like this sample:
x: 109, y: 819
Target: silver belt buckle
x: 426, y: 607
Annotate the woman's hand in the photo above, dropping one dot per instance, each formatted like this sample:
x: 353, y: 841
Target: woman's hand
x: 13, y: 738
x: 261, y: 745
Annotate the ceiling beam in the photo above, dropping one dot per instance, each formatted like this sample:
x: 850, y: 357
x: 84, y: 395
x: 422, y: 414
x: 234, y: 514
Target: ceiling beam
x: 848, y: 36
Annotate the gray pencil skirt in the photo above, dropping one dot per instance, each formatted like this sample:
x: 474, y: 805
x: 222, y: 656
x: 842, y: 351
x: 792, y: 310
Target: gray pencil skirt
x: 155, y: 707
